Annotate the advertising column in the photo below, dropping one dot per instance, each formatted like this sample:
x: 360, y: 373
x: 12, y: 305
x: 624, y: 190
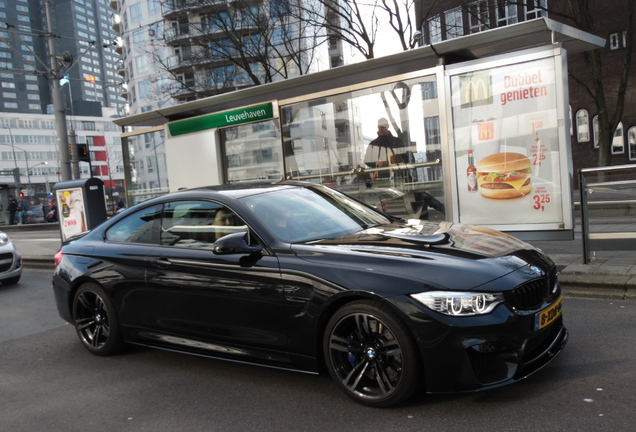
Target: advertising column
x: 506, y: 129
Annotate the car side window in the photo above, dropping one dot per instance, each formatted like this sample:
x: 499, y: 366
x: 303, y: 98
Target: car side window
x: 139, y: 227
x: 197, y: 224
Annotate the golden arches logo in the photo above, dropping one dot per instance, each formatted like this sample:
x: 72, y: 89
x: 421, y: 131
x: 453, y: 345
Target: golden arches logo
x: 477, y: 90
x: 486, y: 131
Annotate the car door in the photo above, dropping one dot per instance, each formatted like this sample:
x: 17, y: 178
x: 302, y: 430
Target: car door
x: 231, y: 300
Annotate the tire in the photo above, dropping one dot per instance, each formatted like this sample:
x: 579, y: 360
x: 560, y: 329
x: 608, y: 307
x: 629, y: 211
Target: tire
x: 371, y: 355
x: 96, y: 321
x: 11, y: 281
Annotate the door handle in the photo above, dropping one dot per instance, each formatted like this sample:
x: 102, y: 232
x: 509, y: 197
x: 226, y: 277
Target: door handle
x: 162, y: 262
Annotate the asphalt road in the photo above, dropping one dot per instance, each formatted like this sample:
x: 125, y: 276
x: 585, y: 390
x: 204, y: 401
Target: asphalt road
x: 49, y: 382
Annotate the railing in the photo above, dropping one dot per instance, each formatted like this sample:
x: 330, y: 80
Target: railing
x: 608, y: 209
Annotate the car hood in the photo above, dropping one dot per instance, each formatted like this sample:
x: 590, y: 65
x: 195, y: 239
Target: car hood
x: 442, y: 255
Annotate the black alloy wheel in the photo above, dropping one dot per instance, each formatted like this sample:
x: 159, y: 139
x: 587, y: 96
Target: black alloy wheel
x: 95, y: 321
x: 371, y: 355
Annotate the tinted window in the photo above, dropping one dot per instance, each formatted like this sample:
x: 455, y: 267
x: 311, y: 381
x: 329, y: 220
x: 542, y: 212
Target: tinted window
x: 197, y: 224
x: 139, y: 227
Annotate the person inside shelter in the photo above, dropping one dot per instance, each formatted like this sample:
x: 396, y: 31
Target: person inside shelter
x: 381, y: 151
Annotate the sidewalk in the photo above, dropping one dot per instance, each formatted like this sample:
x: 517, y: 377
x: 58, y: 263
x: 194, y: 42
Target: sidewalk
x: 611, y: 275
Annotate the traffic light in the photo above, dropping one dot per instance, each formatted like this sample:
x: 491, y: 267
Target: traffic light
x: 82, y: 153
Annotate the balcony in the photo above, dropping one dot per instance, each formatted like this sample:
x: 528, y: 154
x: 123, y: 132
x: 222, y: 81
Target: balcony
x: 121, y: 70
x: 174, y: 8
x: 114, y: 5
x: 176, y: 34
x: 182, y: 90
x: 115, y: 22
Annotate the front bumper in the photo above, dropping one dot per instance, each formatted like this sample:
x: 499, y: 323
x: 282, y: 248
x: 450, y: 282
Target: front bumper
x: 10, y: 264
x: 463, y: 354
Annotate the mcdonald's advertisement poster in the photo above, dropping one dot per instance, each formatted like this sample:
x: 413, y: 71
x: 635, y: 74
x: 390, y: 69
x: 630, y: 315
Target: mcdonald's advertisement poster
x: 506, y: 144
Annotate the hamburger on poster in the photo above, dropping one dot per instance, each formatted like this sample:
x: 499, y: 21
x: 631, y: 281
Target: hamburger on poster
x: 504, y: 175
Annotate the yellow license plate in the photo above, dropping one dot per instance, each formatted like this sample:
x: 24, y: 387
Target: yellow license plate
x: 548, y: 315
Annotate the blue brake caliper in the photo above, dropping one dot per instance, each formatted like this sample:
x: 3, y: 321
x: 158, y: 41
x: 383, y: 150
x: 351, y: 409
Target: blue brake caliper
x: 350, y: 356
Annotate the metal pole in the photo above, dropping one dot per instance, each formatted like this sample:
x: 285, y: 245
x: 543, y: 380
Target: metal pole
x: 26, y: 160
x: 58, y: 102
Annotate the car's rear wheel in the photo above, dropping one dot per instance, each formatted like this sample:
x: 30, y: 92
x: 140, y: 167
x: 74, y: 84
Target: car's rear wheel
x: 370, y: 353
x: 96, y: 321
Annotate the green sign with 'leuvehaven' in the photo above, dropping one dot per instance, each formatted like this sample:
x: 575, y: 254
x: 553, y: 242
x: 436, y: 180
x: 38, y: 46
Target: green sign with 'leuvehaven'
x: 222, y: 119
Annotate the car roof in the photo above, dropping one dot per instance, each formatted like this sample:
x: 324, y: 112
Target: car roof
x: 240, y: 189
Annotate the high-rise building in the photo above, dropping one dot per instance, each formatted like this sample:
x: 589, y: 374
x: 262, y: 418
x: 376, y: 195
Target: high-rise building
x: 85, y: 45
x: 176, y: 51
x: 86, y: 55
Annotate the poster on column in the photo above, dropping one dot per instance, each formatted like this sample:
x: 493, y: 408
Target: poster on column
x: 70, y: 204
x: 507, y: 156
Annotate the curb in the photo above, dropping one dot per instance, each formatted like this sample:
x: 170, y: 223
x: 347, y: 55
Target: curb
x: 38, y: 262
x: 608, y: 286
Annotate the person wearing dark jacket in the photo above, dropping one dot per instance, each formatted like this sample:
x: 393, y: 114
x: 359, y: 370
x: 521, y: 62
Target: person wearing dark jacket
x: 13, y: 207
x: 381, y: 149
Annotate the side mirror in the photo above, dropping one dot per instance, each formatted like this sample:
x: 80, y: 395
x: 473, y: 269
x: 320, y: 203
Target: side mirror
x: 235, y: 243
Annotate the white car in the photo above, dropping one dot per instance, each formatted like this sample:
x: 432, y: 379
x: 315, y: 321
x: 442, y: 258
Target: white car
x: 10, y: 261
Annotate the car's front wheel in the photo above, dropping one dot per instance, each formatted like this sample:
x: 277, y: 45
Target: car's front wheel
x: 96, y: 321
x: 370, y: 353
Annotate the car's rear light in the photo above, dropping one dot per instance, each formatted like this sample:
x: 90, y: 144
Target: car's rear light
x: 58, y: 257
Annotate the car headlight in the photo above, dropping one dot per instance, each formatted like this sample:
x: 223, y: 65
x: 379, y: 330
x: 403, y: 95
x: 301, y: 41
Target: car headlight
x: 4, y: 238
x: 459, y: 304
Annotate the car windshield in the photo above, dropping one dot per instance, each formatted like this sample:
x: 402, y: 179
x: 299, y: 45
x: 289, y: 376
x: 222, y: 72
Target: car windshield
x: 304, y: 214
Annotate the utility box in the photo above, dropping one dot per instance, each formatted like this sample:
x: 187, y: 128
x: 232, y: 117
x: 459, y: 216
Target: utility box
x: 81, y: 205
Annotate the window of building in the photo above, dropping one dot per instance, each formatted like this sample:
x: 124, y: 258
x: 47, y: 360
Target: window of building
x: 536, y: 9
x: 631, y: 142
x: 618, y: 141
x: 10, y: 105
x: 614, y: 42
x: 144, y: 89
x: 506, y: 13
x: 582, y: 126
x: 154, y: 7
x: 478, y: 16
x: 454, y: 23
x: 139, y: 36
x: 135, y: 13
x: 141, y: 64
x: 434, y: 30
x: 595, y: 130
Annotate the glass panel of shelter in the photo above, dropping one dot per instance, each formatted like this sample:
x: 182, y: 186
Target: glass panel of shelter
x: 252, y: 151
x: 381, y: 144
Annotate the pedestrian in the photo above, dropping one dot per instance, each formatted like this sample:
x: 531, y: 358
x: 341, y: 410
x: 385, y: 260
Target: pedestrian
x: 13, y: 207
x: 380, y: 151
x: 120, y: 207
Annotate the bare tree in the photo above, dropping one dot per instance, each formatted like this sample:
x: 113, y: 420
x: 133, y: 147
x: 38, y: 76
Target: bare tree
x: 244, y: 43
x: 357, y: 22
x: 596, y: 81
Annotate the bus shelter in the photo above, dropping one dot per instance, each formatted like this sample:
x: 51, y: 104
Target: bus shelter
x: 472, y: 130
